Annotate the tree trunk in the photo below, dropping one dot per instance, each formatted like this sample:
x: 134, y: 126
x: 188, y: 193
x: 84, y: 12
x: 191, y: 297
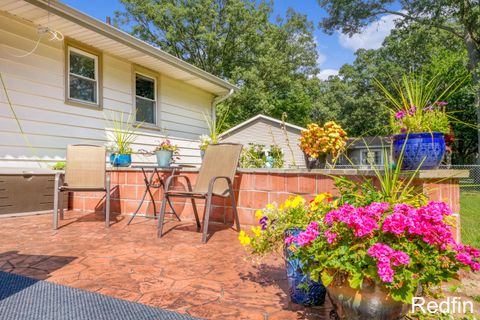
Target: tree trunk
x: 473, y: 50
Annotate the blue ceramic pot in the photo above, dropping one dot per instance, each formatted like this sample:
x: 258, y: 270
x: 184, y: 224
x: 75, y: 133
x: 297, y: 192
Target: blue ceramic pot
x: 164, y: 158
x: 315, y: 294
x: 120, y: 160
x: 423, y: 150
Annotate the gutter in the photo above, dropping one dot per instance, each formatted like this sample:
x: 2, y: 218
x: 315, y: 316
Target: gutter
x: 59, y: 9
x: 216, y: 101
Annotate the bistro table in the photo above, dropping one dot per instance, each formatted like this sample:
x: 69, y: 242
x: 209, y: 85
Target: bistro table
x: 149, y: 184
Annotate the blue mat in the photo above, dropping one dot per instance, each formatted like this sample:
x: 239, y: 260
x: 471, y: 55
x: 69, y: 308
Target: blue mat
x: 23, y: 298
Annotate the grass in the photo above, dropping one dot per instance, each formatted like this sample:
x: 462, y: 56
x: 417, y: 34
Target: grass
x: 470, y: 218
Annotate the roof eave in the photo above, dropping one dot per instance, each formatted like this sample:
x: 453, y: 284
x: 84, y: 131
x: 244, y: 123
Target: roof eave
x: 67, y: 12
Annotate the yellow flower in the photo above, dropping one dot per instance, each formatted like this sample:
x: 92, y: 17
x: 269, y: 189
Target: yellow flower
x: 322, y: 196
x: 257, y: 231
x: 287, y: 204
x: 297, y: 201
x: 270, y: 206
x: 258, y: 214
x: 244, y: 238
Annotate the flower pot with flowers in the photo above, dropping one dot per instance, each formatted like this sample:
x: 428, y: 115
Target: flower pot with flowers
x: 380, y: 246
x: 205, y: 141
x: 278, y: 223
x: 165, y: 153
x: 318, y: 142
x: 419, y: 119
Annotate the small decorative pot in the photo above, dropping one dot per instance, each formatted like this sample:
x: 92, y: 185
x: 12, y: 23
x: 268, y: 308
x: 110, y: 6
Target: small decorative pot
x: 423, y: 150
x: 371, y: 302
x: 315, y: 163
x: 120, y: 160
x: 314, y: 295
x: 164, y: 158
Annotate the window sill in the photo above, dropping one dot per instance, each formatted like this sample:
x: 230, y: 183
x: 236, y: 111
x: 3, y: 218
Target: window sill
x: 87, y: 105
x: 149, y: 126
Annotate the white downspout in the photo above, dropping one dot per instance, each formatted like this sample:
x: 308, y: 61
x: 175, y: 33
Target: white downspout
x: 216, y: 101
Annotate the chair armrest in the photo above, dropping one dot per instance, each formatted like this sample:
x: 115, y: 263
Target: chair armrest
x: 172, y: 177
x: 214, y: 179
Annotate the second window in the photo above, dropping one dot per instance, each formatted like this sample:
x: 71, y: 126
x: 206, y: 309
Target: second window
x: 145, y: 98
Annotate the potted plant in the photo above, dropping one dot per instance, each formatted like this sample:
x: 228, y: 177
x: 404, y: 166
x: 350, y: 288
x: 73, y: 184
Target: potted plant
x: 205, y: 141
x: 317, y: 142
x: 419, y: 119
x: 122, y: 135
x: 277, y: 223
x: 165, y: 152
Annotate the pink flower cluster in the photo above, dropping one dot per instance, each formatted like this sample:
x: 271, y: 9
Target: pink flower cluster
x: 386, y: 257
x: 331, y: 236
x: 305, y: 237
x: 363, y: 220
x: 427, y: 222
x: 466, y: 254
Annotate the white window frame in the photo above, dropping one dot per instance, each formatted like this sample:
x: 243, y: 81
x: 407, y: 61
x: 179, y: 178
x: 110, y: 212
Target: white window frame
x: 97, y: 80
x: 155, y: 94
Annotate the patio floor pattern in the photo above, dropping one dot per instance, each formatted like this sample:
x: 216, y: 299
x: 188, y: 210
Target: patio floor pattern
x: 177, y: 272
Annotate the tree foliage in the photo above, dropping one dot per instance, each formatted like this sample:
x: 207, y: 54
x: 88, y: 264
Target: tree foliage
x: 459, y: 19
x: 274, y: 63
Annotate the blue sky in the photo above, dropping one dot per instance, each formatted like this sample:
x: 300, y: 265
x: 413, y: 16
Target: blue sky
x: 334, y: 50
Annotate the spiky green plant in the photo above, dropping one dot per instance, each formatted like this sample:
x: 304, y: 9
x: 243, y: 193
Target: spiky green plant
x: 417, y: 104
x: 123, y: 132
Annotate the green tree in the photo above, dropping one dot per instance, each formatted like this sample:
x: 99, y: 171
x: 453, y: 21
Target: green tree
x: 274, y: 63
x: 353, y: 100
x: 461, y: 19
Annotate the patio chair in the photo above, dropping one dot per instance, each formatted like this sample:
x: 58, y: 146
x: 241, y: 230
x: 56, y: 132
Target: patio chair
x: 214, y: 179
x: 85, y: 171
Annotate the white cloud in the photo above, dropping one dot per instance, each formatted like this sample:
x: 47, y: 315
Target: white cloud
x: 321, y: 58
x: 326, y: 73
x: 372, y: 36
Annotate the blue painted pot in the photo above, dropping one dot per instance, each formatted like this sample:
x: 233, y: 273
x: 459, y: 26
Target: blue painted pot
x: 164, y: 158
x: 120, y: 160
x: 314, y: 295
x: 423, y: 150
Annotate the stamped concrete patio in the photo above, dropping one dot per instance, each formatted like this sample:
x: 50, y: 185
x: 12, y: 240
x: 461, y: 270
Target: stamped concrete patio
x: 176, y: 272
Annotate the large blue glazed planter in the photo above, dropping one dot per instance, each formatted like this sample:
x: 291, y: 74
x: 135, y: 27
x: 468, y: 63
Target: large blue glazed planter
x: 423, y: 150
x: 315, y: 294
x: 120, y: 160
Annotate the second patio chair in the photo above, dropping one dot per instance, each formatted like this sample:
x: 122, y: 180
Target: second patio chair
x: 214, y: 179
x: 85, y: 171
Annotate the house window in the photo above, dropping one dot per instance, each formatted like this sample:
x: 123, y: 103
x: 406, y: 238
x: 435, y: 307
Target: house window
x: 83, y: 82
x: 372, y: 157
x: 145, y: 98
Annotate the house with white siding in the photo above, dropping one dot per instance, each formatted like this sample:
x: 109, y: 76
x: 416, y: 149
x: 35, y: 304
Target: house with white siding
x: 64, y: 73
x: 268, y: 131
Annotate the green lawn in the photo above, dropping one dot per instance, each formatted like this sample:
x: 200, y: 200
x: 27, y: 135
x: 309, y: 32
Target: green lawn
x: 470, y: 218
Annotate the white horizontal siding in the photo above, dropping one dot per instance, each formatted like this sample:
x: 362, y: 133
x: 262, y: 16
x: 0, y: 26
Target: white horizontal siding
x: 269, y: 133
x: 35, y: 85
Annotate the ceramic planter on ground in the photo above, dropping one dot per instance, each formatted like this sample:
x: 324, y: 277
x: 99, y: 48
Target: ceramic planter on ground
x: 164, y: 158
x: 371, y: 302
x: 314, y: 295
x: 423, y: 150
x: 315, y: 163
x: 120, y: 160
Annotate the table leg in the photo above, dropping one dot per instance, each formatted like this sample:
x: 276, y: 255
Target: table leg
x: 148, y: 182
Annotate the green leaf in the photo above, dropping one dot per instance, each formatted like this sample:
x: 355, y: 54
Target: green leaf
x: 355, y: 280
x: 326, y: 278
x: 404, y: 294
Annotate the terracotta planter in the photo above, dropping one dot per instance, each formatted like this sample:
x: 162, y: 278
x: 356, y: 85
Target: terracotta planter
x: 371, y: 302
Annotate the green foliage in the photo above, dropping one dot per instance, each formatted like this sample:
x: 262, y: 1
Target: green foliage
x: 416, y: 103
x: 255, y: 156
x: 272, y: 60
x: 59, y: 165
x: 123, y: 133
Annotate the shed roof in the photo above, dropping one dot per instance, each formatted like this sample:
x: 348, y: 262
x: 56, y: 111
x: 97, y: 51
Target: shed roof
x: 86, y: 29
x: 260, y: 117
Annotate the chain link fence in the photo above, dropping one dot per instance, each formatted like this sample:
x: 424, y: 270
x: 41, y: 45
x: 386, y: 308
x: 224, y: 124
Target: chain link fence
x: 470, y: 184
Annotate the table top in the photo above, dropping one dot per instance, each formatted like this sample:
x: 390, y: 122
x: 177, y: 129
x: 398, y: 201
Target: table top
x: 149, y: 166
